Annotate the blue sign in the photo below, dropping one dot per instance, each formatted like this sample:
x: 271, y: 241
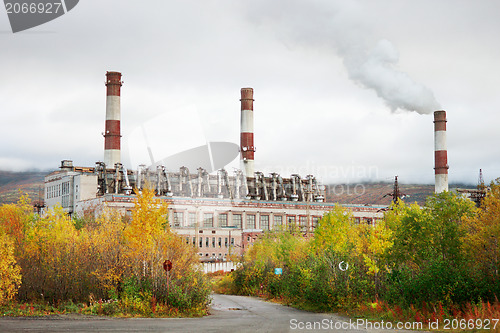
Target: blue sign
x: 278, y: 271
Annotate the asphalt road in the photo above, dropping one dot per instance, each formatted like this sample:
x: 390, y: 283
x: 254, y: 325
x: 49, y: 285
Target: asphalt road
x: 228, y: 314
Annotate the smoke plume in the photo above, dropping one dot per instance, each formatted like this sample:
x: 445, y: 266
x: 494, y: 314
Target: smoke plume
x: 340, y: 26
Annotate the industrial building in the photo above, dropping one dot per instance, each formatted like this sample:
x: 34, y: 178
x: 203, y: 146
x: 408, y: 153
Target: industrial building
x: 218, y: 212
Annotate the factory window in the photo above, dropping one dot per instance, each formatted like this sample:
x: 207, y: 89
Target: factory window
x: 232, y: 241
x: 192, y: 219
x: 222, y: 220
x: 220, y: 242
x: 369, y: 221
x: 65, y: 201
x: 278, y: 220
x: 291, y: 219
x: 178, y: 218
x: 213, y: 242
x: 225, y: 242
x: 264, y: 222
x: 201, y: 242
x: 357, y: 220
x: 208, y: 220
x: 251, y: 221
x: 194, y: 241
x: 65, y: 188
x: 237, y: 220
x: 303, y: 223
x: 315, y: 221
x: 207, y: 241
x: 187, y: 240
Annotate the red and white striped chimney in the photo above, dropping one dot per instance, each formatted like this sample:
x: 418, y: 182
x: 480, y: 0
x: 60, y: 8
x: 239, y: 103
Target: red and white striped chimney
x: 440, y: 152
x: 112, y: 133
x: 246, y: 144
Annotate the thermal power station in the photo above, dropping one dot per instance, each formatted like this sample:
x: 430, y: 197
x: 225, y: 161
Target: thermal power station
x: 440, y: 152
x: 216, y: 212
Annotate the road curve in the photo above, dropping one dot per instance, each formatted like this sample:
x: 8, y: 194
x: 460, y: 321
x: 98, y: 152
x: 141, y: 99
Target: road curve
x: 227, y: 314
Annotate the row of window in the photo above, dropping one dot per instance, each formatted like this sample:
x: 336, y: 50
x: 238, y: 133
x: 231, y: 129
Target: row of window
x: 214, y: 242
x: 223, y: 221
x: 57, y: 190
x: 213, y: 255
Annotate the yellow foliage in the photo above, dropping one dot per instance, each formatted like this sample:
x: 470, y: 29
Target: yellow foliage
x: 105, y: 243
x: 16, y: 219
x: 482, y: 240
x: 334, y: 231
x: 10, y: 273
x: 372, y: 243
x: 149, y: 219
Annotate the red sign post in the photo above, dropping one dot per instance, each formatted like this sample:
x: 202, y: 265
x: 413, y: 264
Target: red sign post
x: 167, y: 266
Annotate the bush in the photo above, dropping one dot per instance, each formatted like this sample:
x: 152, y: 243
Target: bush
x: 104, y: 257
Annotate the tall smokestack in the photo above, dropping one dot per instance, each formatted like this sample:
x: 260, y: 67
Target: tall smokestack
x: 440, y: 152
x: 112, y: 133
x: 246, y: 144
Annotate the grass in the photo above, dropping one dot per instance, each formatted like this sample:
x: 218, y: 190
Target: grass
x: 34, y: 309
x: 123, y: 308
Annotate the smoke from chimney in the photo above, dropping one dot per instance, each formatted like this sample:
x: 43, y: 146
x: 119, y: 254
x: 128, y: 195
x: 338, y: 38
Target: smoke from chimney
x: 341, y: 26
x: 112, y: 132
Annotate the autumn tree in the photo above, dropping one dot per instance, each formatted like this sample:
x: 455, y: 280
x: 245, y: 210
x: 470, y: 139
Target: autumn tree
x: 482, y: 240
x: 10, y: 273
x: 427, y: 261
x: 149, y: 242
x: 334, y: 232
x: 16, y: 220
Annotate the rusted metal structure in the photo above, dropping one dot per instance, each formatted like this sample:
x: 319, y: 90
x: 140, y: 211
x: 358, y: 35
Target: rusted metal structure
x: 396, y: 193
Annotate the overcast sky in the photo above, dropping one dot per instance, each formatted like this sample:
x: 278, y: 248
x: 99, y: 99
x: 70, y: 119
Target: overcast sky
x: 343, y: 89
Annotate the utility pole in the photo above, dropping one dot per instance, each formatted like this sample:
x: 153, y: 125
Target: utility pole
x: 396, y: 193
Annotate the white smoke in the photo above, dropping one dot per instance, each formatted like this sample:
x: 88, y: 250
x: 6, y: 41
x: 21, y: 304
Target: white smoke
x: 340, y: 25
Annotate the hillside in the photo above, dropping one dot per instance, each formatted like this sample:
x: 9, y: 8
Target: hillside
x: 373, y: 193
x: 14, y: 183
